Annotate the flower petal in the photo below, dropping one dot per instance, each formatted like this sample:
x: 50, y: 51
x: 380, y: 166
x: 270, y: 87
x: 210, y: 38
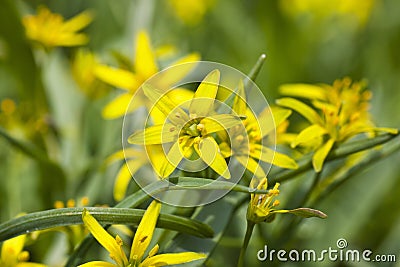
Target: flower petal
x: 203, y: 100
x: 308, y: 91
x: 117, y: 77
x: 11, y: 249
x: 219, y: 122
x: 144, y: 232
x: 171, y: 76
x: 239, y: 104
x: 208, y: 151
x: 154, y: 135
x: 279, y: 115
x: 31, y: 264
x: 124, y: 176
x: 119, y: 105
x: 303, y: 109
x: 145, y: 62
x: 166, y: 105
x: 252, y: 165
x: 78, y: 22
x: 104, y: 238
x: 172, y: 160
x: 321, y: 154
x: 309, y: 134
x: 172, y: 258
x: 97, y: 264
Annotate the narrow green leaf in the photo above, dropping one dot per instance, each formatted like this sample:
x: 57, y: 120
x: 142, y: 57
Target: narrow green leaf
x: 70, y: 216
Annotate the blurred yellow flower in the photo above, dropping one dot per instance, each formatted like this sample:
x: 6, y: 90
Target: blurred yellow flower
x: 190, y: 132
x: 341, y: 113
x: 12, y: 254
x: 50, y: 29
x: 358, y: 10
x: 83, y: 65
x: 245, y: 143
x: 144, y: 66
x: 140, y: 243
x: 191, y: 12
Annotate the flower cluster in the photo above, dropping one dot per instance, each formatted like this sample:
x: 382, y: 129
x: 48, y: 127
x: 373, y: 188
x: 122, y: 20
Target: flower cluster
x: 337, y: 113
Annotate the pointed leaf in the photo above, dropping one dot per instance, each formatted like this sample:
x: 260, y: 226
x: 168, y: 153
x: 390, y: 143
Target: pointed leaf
x: 305, y: 213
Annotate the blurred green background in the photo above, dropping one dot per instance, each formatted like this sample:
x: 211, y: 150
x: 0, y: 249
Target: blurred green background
x: 308, y: 42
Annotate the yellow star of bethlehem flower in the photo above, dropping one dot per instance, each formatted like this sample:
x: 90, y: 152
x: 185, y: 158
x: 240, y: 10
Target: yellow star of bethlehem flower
x: 262, y: 206
x: 339, y: 112
x: 50, y: 29
x: 190, y: 131
x: 12, y: 254
x: 245, y: 144
x: 144, y: 66
x: 141, y: 241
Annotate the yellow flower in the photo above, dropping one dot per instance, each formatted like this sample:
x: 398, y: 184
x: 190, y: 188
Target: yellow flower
x: 248, y: 144
x: 262, y: 206
x: 189, y: 132
x: 191, y: 12
x: 50, y: 29
x: 357, y: 10
x: 140, y: 243
x: 12, y: 254
x: 83, y: 65
x: 343, y: 113
x: 144, y: 66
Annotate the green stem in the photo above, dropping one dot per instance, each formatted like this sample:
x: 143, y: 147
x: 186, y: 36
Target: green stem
x: 249, y: 232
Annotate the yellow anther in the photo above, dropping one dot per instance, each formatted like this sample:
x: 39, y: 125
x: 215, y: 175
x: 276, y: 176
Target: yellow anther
x: 23, y: 256
x: 200, y: 127
x: 276, y: 203
x: 8, y: 106
x: 84, y: 201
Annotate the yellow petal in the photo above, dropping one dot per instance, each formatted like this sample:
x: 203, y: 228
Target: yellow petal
x: 269, y: 122
x: 203, y: 100
x: 124, y: 176
x: 119, y: 105
x: 166, y: 105
x: 303, y: 109
x: 304, y: 91
x: 219, y: 122
x: 145, y: 62
x: 171, y: 76
x: 117, y: 77
x: 321, y: 154
x: 11, y: 249
x: 144, y: 232
x: 239, y: 104
x: 172, y: 258
x: 252, y: 165
x: 284, y: 161
x: 30, y: 264
x: 154, y: 135
x: 208, y: 151
x: 172, y: 160
x: 78, y: 22
x: 104, y: 238
x: 309, y: 134
x: 97, y: 264
x: 121, y: 154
